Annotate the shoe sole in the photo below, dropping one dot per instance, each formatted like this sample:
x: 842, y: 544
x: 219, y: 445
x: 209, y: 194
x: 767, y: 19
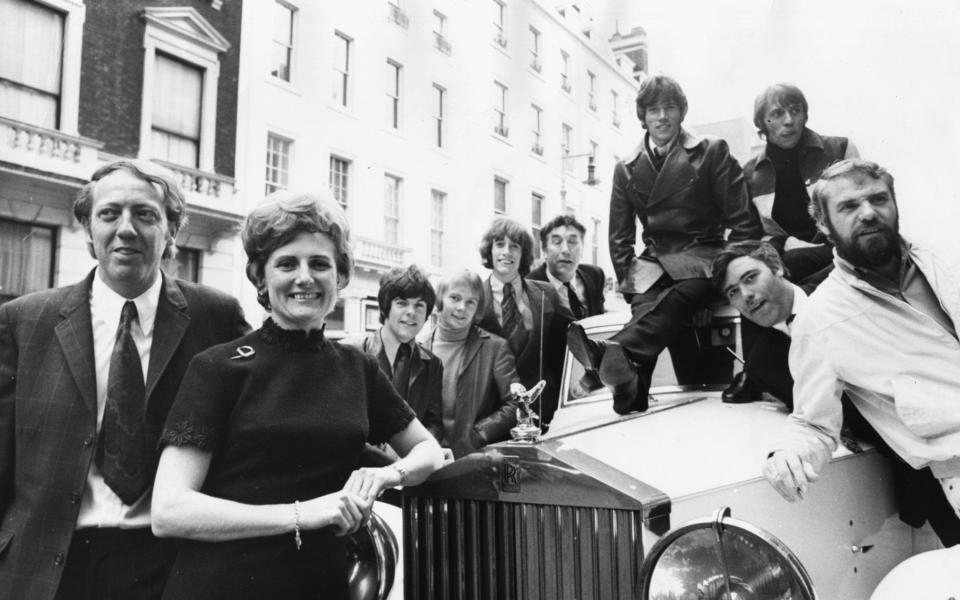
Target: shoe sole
x: 577, y: 343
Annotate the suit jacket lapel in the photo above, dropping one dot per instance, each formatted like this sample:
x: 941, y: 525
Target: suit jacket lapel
x: 169, y: 327
x: 75, y: 334
x: 471, y: 347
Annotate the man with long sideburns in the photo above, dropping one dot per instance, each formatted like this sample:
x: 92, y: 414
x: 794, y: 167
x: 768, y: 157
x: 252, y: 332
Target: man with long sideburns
x: 87, y: 375
x: 686, y: 191
x: 882, y: 328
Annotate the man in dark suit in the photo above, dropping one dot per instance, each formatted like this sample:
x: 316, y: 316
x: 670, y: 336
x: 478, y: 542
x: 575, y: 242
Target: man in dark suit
x: 752, y: 277
x: 686, y: 191
x: 579, y: 286
x: 87, y: 375
x: 406, y: 299
x: 528, y: 314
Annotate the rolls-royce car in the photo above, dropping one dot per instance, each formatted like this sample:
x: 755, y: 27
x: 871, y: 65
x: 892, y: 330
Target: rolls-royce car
x: 666, y: 504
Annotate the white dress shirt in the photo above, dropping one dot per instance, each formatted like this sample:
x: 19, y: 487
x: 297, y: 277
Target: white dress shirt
x: 100, y: 507
x: 523, y: 303
x: 575, y: 283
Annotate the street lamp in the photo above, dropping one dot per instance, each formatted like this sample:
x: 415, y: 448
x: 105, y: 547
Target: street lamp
x: 591, y: 179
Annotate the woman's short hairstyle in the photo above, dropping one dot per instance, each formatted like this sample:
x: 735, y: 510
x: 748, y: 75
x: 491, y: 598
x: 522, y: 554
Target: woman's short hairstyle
x: 660, y: 88
x: 284, y: 215
x: 503, y: 228
x: 762, y: 251
x: 850, y: 167
x: 174, y: 204
x: 472, y: 281
x: 404, y: 283
x: 778, y: 94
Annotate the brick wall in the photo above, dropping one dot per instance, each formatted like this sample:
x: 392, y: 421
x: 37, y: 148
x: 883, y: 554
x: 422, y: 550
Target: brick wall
x: 111, y: 80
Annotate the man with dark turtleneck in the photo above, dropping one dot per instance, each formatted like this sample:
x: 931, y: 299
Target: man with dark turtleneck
x: 778, y: 177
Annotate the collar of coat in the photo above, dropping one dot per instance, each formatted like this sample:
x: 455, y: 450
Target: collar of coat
x: 688, y: 141
x: 809, y: 140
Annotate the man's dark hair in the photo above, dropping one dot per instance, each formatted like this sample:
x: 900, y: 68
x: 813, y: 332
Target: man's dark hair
x: 660, y: 88
x: 565, y: 220
x: 404, y: 283
x: 755, y: 249
x: 503, y: 228
x: 850, y: 167
x: 778, y: 94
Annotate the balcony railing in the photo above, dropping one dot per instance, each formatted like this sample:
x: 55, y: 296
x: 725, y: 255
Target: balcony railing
x: 377, y: 255
x: 441, y: 43
x: 203, y: 188
x: 398, y: 16
x: 47, y: 149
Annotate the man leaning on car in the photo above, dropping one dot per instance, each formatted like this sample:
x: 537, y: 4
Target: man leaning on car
x: 882, y: 328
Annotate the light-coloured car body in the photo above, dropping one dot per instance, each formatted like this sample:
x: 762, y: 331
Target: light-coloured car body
x: 573, y: 515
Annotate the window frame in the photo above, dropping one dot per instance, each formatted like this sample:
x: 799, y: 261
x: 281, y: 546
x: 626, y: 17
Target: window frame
x: 182, y: 33
x: 440, y: 99
x: 504, y: 184
x: 339, y: 181
x: 437, y: 226
x: 500, y: 126
x: 393, y: 94
x: 342, y: 72
x: 74, y: 15
x: 537, y: 146
x: 293, y: 13
x: 392, y: 217
x: 288, y: 147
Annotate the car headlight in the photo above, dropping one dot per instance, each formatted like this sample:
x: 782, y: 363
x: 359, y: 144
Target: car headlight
x: 721, y: 558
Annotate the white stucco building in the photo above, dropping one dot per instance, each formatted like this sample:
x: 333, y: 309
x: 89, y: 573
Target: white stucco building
x: 428, y: 118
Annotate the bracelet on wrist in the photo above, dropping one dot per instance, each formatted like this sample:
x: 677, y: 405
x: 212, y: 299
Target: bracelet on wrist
x: 297, y: 540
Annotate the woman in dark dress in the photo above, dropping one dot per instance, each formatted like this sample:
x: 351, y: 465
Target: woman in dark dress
x: 258, y: 475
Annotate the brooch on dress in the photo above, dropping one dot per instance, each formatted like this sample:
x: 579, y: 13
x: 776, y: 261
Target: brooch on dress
x: 243, y: 352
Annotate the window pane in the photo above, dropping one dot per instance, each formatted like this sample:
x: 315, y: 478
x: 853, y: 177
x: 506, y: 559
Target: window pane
x: 178, y: 90
x: 341, y: 68
x: 26, y: 258
x: 437, y: 200
x: 282, y: 41
x: 499, y: 195
x: 339, y: 179
x: 278, y: 163
x: 391, y: 210
x: 31, y: 50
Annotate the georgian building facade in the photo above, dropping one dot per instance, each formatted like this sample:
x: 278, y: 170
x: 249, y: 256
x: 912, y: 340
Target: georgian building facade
x: 428, y: 118
x: 84, y: 83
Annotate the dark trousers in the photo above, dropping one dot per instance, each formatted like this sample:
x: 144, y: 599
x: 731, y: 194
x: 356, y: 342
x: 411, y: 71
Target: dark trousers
x: 662, y: 318
x: 116, y: 564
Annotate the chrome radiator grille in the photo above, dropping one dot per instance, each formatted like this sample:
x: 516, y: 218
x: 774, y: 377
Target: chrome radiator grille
x: 491, y: 550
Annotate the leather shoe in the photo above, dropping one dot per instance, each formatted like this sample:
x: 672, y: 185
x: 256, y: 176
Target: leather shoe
x: 615, y: 367
x: 588, y: 353
x: 631, y: 396
x: 741, y: 390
